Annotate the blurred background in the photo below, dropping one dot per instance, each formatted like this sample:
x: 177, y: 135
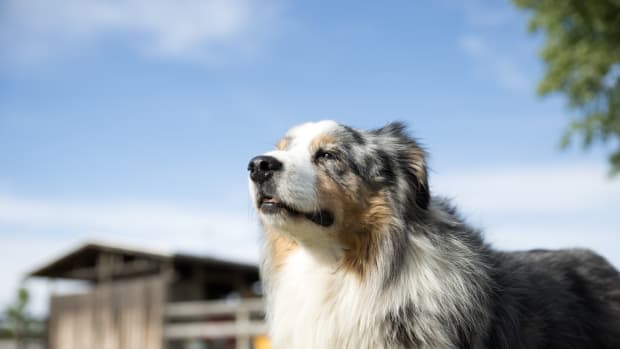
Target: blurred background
x: 126, y: 127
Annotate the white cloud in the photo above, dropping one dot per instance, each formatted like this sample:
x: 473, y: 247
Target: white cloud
x: 546, y: 206
x: 155, y: 225
x: 499, y: 66
x: 559, y: 189
x: 196, y: 29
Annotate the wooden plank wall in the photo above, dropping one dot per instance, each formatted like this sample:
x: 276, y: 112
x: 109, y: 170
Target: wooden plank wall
x: 195, y: 320
x: 124, y: 315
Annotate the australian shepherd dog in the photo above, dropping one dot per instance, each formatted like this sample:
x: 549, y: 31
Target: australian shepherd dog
x: 359, y: 254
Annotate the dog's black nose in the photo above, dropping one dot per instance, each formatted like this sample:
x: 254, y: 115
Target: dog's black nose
x: 262, y: 168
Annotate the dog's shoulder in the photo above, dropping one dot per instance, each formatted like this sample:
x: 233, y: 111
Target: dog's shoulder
x: 568, y: 265
x: 567, y: 297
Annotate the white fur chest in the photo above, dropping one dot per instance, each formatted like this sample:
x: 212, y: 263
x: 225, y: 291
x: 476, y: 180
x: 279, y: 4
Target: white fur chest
x: 312, y: 306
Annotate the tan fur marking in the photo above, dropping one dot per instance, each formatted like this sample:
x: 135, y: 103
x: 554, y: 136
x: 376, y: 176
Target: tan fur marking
x: 321, y: 141
x: 280, y: 247
x: 417, y: 163
x: 366, y: 216
x: 283, y: 143
x: 364, y: 235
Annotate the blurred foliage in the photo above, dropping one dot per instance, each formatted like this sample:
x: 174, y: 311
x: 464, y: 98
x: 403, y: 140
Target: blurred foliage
x: 582, y: 57
x: 19, y: 325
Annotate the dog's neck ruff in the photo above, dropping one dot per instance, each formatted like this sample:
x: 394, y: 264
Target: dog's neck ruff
x: 312, y: 304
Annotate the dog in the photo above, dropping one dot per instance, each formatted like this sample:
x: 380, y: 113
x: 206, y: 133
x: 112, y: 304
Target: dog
x: 358, y: 254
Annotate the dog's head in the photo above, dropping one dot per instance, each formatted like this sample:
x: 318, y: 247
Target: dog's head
x: 333, y: 187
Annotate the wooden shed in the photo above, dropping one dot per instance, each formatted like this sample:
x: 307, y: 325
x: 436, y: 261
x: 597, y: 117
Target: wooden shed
x: 139, y: 299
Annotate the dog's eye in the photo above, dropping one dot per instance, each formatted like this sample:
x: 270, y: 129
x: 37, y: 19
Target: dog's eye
x: 321, y: 155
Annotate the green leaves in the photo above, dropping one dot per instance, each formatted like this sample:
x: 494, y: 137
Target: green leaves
x: 582, y: 55
x: 16, y: 314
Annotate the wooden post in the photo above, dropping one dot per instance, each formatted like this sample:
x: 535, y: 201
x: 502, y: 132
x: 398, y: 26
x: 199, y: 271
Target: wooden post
x: 242, y: 320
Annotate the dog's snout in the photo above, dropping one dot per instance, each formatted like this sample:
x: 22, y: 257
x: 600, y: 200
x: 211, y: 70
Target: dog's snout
x: 262, y: 168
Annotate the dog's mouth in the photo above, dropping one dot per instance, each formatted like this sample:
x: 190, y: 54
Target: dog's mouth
x: 271, y: 205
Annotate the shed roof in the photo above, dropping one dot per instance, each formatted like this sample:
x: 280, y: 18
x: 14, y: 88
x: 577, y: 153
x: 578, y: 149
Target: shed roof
x: 73, y: 264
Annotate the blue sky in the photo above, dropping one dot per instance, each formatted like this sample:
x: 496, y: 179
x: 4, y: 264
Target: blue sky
x: 132, y: 121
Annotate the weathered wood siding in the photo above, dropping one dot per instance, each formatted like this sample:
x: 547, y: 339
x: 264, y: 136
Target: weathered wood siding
x: 124, y: 315
x: 242, y: 320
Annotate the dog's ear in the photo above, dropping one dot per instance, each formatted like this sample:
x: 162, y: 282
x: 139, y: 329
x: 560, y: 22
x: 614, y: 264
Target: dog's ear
x: 411, y: 159
x: 416, y: 166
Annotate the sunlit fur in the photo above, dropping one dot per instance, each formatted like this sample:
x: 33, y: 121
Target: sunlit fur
x: 399, y: 268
